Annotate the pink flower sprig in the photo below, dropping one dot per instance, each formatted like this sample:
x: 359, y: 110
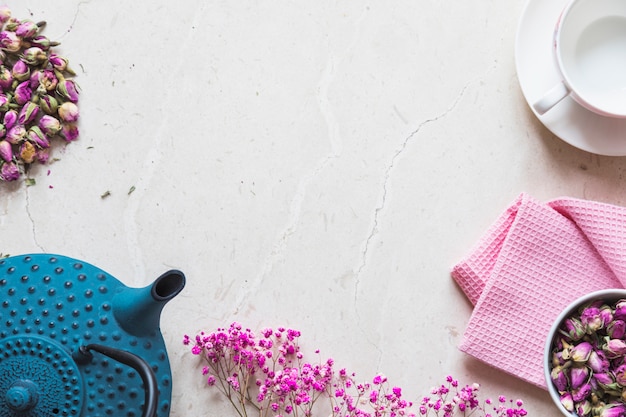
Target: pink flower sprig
x: 449, y: 399
x: 377, y: 398
x: 38, y: 97
x: 269, y: 377
x: 267, y: 374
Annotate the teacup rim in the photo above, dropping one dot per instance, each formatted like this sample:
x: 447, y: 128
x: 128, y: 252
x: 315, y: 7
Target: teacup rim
x: 580, y: 94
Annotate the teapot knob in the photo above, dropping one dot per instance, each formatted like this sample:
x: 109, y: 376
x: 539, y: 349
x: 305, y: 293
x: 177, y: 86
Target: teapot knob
x: 22, y: 396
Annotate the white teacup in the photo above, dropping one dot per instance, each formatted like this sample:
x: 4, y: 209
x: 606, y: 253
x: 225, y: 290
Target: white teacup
x: 590, y: 51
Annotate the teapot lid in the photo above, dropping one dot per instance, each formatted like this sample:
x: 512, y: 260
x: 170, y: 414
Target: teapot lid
x: 52, y: 307
x: 38, y: 378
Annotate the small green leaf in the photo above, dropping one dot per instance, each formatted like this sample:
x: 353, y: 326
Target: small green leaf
x: 131, y: 190
x: 30, y: 181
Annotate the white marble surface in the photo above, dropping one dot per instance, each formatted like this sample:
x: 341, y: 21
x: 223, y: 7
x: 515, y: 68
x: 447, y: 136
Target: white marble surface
x: 319, y: 165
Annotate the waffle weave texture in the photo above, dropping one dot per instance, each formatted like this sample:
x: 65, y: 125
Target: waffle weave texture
x: 530, y: 264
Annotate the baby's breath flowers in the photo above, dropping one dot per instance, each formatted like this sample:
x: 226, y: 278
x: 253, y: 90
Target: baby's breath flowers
x: 449, y: 398
x: 269, y: 377
x: 589, y: 360
x: 37, y: 96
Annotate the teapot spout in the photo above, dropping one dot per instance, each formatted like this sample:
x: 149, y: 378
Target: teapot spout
x: 138, y: 310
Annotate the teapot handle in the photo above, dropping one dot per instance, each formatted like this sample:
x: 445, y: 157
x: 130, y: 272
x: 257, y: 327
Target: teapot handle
x: 138, y: 364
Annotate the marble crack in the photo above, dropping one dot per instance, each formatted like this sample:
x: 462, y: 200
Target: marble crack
x: 279, y: 248
x: 383, y: 202
x: 295, y: 207
x: 151, y: 163
x: 387, y: 176
x: 327, y: 111
x: 75, y: 18
x: 32, y: 222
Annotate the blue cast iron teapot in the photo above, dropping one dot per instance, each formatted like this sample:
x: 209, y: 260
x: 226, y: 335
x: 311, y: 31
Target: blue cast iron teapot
x: 75, y: 341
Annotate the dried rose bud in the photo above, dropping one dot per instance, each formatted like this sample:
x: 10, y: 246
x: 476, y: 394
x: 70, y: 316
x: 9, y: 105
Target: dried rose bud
x: 581, y: 352
x: 44, y: 78
x: 620, y: 375
x: 616, y: 329
x: 557, y: 359
x: 9, y: 41
x: 620, y: 309
x: 35, y: 76
x: 583, y: 408
x: 6, y: 78
x: 23, y: 93
x: 10, y: 117
x: 48, y: 104
x: 43, y: 42
x: 58, y: 62
x: 16, y: 134
x: 592, y: 319
x: 597, y: 361
x: 34, y: 55
x: 27, y: 152
x: 49, y: 80
x: 5, y: 14
x: 12, y: 24
x: 68, y: 90
x: 606, y: 313
x: 4, y: 102
x: 68, y: 112
x: 49, y: 125
x: 39, y: 138
x: 615, y: 348
x: 6, y: 151
x: 573, y: 328
x: 578, y: 376
x: 603, y: 378
x: 559, y: 378
x: 28, y: 113
x: 9, y: 171
x: 613, y: 410
x: 27, y: 29
x: 567, y: 401
x: 581, y: 393
x: 69, y: 131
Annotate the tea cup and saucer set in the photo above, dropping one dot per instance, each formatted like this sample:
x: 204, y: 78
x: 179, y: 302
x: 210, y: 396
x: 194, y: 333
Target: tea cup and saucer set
x: 571, y: 65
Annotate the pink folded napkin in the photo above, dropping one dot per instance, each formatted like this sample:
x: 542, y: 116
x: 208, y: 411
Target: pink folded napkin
x: 532, y: 263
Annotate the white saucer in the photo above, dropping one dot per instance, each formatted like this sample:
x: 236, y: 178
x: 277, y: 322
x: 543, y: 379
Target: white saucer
x: 537, y: 73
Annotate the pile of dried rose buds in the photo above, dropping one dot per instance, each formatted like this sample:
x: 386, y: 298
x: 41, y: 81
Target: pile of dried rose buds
x: 37, y: 96
x: 589, y: 360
